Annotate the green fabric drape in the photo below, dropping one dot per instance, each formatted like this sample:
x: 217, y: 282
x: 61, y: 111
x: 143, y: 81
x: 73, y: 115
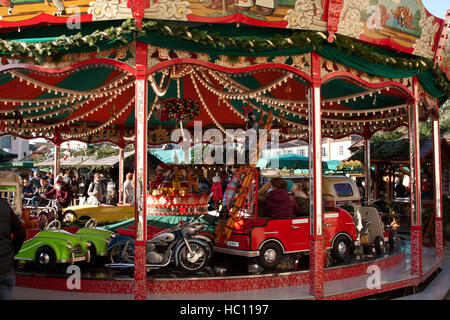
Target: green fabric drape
x: 231, y: 31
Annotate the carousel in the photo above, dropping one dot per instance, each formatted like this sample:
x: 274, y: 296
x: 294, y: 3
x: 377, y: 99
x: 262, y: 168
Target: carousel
x: 191, y: 73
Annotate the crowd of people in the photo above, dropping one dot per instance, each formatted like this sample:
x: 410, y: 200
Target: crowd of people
x: 40, y: 188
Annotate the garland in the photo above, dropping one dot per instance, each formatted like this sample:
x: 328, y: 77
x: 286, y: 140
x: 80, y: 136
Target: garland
x: 301, y: 39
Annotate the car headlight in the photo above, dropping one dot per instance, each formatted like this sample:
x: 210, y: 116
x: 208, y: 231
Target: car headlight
x: 69, y: 246
x: 88, y: 244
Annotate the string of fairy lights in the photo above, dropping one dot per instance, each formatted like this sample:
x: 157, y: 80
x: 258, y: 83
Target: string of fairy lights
x: 30, y: 115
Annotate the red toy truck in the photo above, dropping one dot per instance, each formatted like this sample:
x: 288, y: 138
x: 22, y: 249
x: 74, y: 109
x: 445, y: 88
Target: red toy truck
x: 269, y: 239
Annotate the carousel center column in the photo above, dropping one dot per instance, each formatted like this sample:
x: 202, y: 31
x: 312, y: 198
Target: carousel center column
x: 316, y: 244
x: 56, y: 162
x: 415, y: 183
x: 121, y: 169
x: 367, y: 165
x: 140, y: 188
x: 437, y: 187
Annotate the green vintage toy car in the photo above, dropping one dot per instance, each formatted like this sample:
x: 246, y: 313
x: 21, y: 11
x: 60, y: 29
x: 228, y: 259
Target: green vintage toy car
x: 97, y: 236
x: 53, y: 246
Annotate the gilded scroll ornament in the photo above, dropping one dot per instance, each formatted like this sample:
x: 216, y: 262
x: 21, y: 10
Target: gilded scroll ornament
x: 306, y: 15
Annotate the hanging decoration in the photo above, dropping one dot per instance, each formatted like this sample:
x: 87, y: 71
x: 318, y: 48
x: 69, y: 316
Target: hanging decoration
x: 179, y: 109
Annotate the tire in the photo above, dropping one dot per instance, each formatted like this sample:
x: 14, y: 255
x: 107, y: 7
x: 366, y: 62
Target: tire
x: 196, y: 260
x: 342, y: 248
x: 379, y: 245
x: 69, y: 216
x: 93, y: 251
x: 45, y: 259
x: 115, y: 254
x: 270, y: 255
x: 84, y: 219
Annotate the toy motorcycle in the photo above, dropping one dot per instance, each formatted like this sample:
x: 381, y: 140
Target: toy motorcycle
x: 181, y: 244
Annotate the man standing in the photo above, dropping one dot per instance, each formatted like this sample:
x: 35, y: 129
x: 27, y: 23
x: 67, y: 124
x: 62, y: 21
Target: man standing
x: 9, y: 247
x: 35, y: 180
x: 96, y: 189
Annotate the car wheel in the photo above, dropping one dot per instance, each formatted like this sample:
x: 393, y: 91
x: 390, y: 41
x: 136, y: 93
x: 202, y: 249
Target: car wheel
x: 69, y: 216
x: 84, y: 219
x: 93, y: 251
x: 342, y: 248
x: 45, y: 258
x: 270, y: 255
x: 379, y: 245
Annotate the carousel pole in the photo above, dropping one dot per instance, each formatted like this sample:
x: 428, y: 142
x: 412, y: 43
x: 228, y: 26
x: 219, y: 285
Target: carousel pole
x: 367, y: 166
x: 415, y: 182
x: 140, y: 189
x: 316, y: 244
x: 437, y: 186
x: 121, y: 169
x: 56, y: 162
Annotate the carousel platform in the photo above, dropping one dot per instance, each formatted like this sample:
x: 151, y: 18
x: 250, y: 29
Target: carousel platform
x: 346, y: 281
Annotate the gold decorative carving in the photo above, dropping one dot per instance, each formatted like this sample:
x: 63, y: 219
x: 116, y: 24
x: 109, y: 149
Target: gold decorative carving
x: 307, y: 14
x: 351, y: 24
x: 424, y: 45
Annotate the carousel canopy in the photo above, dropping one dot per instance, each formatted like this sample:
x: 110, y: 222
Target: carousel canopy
x: 81, y: 86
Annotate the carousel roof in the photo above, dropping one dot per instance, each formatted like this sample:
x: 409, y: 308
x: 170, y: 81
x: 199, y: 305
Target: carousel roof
x: 82, y: 87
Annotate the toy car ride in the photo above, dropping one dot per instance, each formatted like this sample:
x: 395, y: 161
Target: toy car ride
x: 269, y: 239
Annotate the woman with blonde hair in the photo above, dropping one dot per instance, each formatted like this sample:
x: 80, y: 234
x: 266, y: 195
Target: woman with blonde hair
x: 128, y: 189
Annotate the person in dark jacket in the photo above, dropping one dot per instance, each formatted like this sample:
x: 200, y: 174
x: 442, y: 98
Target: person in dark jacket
x: 87, y: 183
x: 9, y: 247
x: 280, y: 204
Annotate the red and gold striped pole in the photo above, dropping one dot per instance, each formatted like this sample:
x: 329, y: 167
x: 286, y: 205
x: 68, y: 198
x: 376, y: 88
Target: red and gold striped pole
x: 415, y: 182
x: 315, y: 171
x: 140, y: 167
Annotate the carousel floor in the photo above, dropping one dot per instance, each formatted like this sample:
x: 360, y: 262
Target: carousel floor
x: 230, y: 279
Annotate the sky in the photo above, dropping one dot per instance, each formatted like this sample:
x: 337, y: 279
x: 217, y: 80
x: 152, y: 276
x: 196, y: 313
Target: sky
x: 437, y: 7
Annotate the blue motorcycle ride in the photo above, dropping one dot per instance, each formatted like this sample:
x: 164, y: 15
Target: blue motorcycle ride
x: 181, y: 245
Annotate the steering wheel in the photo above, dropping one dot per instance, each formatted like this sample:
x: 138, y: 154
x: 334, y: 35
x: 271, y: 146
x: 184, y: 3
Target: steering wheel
x: 55, y: 224
x: 91, y: 223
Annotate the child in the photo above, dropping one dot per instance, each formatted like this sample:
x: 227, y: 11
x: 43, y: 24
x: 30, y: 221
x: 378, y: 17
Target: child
x: 217, y: 192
